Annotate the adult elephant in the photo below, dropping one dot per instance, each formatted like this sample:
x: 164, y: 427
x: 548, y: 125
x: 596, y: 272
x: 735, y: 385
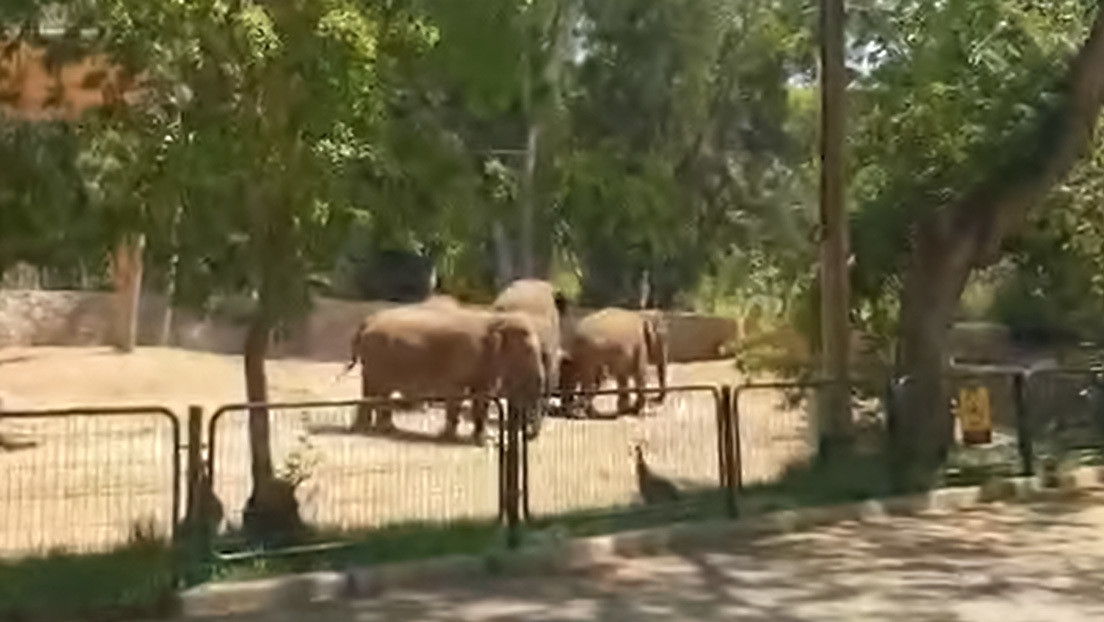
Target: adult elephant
x: 448, y: 351
x: 545, y: 307
x: 621, y: 343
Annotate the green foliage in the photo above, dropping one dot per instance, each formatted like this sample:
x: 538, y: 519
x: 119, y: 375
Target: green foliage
x: 1057, y: 290
x: 942, y: 108
x: 40, y: 188
x: 682, y: 150
x: 256, y: 119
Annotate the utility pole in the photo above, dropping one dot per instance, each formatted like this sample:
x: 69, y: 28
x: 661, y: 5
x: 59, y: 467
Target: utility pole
x: 834, y: 418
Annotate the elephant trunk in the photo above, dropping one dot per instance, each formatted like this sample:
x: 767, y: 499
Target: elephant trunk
x: 656, y: 338
x: 661, y: 372
x: 354, y: 354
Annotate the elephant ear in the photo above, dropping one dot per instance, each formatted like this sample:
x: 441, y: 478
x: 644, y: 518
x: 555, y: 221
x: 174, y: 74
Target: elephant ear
x: 505, y: 331
x: 654, y: 333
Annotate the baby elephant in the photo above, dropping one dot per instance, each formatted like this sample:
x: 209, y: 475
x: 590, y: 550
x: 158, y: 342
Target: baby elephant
x: 621, y: 343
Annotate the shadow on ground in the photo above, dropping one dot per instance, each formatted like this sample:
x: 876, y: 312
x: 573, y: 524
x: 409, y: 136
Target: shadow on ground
x: 1006, y: 563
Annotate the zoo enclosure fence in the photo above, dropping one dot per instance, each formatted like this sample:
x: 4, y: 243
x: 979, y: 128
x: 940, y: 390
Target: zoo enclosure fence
x: 83, y: 478
x: 87, y: 479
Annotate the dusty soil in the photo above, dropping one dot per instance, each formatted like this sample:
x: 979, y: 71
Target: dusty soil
x: 81, y: 482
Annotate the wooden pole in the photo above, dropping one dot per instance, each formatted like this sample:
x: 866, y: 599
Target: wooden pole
x: 835, y: 414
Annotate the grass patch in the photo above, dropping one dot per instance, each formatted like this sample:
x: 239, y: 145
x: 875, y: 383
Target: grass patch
x: 850, y: 478
x: 391, y: 544
x: 131, y: 582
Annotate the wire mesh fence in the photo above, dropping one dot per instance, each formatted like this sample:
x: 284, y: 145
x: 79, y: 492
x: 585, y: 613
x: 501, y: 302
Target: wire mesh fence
x: 778, y: 423
x: 359, y: 479
x: 1064, y: 410
x: 87, y: 480
x: 582, y: 464
x: 84, y: 480
x: 776, y: 429
x: 992, y: 396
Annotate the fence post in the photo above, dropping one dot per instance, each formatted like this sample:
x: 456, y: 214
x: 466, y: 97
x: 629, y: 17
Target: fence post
x: 734, y: 476
x: 195, y: 518
x: 512, y: 480
x: 723, y: 433
x: 1024, y: 439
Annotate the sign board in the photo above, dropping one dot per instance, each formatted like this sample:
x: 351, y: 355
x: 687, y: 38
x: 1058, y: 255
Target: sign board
x: 975, y: 415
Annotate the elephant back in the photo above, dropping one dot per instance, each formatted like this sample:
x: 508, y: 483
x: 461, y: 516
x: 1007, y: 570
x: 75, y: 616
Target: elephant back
x: 538, y: 300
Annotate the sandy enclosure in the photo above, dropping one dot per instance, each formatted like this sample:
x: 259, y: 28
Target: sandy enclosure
x: 82, y: 483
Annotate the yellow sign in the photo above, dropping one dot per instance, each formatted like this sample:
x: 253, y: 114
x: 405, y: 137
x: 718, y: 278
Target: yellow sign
x: 975, y: 415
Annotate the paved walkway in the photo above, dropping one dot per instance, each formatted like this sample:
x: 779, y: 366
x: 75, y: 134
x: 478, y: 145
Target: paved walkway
x: 1000, y: 563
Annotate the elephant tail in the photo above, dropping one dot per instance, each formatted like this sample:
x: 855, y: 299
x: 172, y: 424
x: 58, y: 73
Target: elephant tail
x: 354, y: 354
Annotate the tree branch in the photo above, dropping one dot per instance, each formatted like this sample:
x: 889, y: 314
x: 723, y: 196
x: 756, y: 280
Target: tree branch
x: 1000, y: 202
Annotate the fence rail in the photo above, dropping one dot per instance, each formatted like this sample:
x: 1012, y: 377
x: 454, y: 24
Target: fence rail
x: 87, y: 479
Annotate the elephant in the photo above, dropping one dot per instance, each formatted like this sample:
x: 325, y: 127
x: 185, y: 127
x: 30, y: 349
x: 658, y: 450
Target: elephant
x: 621, y: 343
x: 447, y: 351
x: 545, y: 307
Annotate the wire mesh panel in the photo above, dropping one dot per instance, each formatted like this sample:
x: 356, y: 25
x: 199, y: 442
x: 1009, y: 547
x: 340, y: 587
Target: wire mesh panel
x: 580, y: 464
x: 354, y: 480
x: 1065, y: 410
x: 776, y: 430
x: 981, y: 396
x: 86, y: 480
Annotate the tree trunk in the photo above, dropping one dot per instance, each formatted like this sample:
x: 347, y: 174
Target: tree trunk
x: 126, y: 272
x: 924, y: 428
x: 528, y: 202
x: 170, y: 287
x: 968, y: 234
x: 834, y: 418
x: 504, y: 264
x: 256, y: 391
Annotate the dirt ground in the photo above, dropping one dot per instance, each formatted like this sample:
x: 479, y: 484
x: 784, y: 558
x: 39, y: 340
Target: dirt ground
x: 82, y: 482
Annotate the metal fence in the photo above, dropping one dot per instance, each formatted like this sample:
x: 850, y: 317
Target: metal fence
x: 87, y: 479
x: 777, y: 423
x: 1064, y: 412
x: 582, y: 464
x: 359, y: 480
x: 1006, y: 449
x: 774, y: 428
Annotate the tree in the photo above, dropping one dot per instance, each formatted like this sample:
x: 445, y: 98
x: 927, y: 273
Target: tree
x: 680, y: 155
x: 506, y: 60
x: 1001, y: 165
x: 76, y: 80
x: 263, y: 111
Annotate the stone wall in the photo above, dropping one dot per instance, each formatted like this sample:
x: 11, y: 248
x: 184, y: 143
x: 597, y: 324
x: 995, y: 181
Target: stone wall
x: 67, y: 318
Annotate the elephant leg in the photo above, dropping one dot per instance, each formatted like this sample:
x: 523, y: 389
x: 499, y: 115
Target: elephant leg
x: 640, y: 381
x: 479, y: 417
x: 623, y: 404
x: 591, y: 382
x: 569, y: 382
x: 363, y: 421
x: 384, y: 421
x: 452, y: 418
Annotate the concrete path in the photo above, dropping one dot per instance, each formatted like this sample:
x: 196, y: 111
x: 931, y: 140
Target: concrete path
x: 998, y: 563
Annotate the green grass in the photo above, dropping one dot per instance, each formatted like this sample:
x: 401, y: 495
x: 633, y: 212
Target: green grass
x: 397, y: 543
x: 856, y: 477
x: 131, y: 582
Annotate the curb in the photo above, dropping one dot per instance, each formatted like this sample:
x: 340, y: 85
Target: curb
x: 578, y: 555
